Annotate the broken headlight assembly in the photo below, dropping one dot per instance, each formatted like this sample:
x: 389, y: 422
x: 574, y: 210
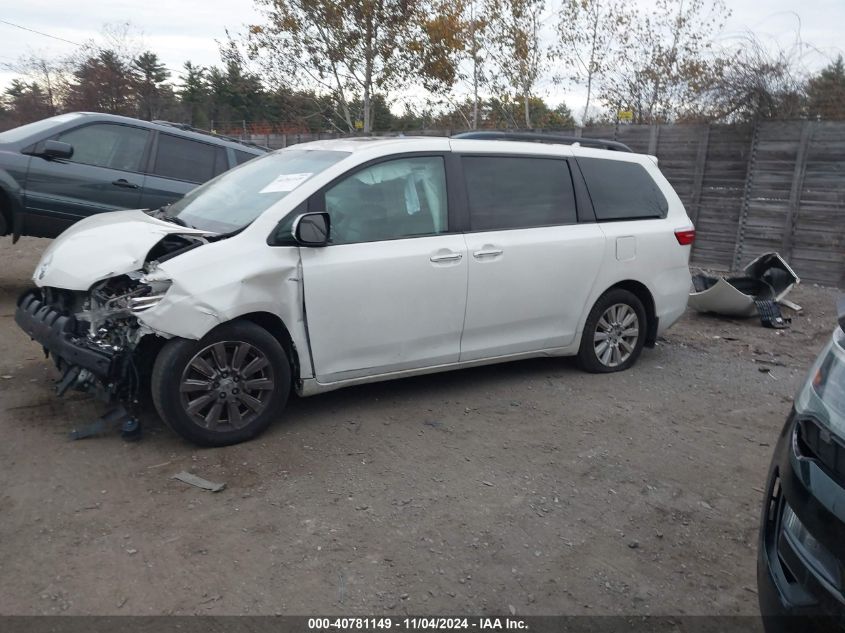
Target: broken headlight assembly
x: 122, y: 298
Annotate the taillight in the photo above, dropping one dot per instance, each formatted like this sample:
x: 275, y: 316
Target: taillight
x: 685, y: 237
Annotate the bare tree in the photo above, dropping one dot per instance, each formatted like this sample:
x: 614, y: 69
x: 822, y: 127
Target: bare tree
x: 753, y: 80
x: 667, y: 59
x: 48, y: 74
x: 476, y: 28
x: 588, y: 33
x: 518, y: 51
x: 351, y: 48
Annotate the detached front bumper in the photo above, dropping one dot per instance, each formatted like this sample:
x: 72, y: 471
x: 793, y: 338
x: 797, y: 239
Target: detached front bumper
x: 56, y: 333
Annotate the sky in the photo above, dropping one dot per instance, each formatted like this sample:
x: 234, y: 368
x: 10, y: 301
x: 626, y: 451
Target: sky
x: 180, y: 30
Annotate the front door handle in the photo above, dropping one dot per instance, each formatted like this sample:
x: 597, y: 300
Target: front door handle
x: 493, y: 252
x: 122, y: 182
x: 449, y: 257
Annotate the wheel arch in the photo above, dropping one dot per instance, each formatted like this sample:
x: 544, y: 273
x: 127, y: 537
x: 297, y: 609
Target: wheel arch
x: 641, y: 291
x: 275, y: 326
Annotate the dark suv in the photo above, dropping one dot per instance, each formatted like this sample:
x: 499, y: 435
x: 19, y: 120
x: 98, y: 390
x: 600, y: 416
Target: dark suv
x: 801, y: 555
x: 62, y: 169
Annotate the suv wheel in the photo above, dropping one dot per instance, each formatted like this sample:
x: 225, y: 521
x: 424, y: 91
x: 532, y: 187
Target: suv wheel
x: 224, y: 388
x: 614, y: 333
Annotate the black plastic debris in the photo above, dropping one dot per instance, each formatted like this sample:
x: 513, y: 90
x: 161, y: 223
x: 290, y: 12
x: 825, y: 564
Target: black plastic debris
x: 130, y: 427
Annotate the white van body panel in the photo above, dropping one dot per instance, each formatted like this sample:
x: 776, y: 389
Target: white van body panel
x: 374, y: 311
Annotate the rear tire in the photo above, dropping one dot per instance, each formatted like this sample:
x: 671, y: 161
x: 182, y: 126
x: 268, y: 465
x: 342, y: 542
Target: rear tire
x: 225, y: 388
x: 614, y: 333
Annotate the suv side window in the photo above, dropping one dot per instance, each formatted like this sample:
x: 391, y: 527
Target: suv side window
x: 186, y: 159
x: 510, y: 192
x: 242, y: 157
x: 107, y: 145
x: 622, y: 190
x: 398, y: 198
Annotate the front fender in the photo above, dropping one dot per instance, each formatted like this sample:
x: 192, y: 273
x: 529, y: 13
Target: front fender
x: 208, y: 290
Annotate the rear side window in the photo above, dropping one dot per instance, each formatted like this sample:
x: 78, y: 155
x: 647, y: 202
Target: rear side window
x: 242, y: 157
x: 507, y: 192
x: 622, y: 190
x: 184, y: 159
x: 107, y: 145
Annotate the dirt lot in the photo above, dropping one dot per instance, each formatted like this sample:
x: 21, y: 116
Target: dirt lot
x: 529, y: 485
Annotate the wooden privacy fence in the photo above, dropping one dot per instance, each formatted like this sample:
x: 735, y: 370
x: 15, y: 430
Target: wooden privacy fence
x: 749, y: 189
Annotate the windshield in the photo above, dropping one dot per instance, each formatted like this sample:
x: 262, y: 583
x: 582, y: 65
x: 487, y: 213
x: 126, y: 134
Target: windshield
x: 30, y: 129
x: 823, y: 395
x: 237, y: 197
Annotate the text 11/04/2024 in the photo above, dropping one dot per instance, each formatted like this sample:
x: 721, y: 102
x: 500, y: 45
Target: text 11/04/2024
x: 416, y: 623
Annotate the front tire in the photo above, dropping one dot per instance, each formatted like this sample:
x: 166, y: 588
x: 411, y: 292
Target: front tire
x: 225, y: 388
x: 614, y: 333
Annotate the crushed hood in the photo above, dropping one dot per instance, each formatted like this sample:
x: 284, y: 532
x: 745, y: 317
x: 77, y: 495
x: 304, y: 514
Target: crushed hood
x: 103, y: 246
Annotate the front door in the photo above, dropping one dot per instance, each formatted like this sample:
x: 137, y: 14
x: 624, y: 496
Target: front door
x: 389, y: 292
x: 103, y: 174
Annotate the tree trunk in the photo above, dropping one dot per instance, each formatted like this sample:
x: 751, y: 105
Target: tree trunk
x: 368, y: 77
x: 587, y: 104
x: 475, y: 49
x: 367, y: 114
x: 527, y: 111
x: 474, y: 124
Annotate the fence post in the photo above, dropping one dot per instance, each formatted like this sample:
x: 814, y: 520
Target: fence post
x: 652, y: 140
x: 790, y: 224
x: 698, y: 175
x: 746, y: 197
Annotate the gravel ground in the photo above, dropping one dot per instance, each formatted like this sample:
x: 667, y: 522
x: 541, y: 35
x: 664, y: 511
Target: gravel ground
x: 529, y: 486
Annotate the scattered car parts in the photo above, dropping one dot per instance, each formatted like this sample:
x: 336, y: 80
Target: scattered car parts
x: 765, y: 283
x: 199, y: 482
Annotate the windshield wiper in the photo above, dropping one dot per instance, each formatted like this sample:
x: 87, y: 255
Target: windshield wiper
x: 161, y: 214
x: 176, y: 220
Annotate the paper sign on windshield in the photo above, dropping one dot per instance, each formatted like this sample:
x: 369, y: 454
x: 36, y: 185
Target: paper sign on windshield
x: 286, y: 182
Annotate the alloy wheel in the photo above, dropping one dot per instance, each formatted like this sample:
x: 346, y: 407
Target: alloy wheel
x: 227, y: 385
x: 616, y: 335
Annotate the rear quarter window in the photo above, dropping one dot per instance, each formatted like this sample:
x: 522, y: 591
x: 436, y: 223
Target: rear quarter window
x: 622, y: 190
x: 242, y: 157
x: 185, y: 159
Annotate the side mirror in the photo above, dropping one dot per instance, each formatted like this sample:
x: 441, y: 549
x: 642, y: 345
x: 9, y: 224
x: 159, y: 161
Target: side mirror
x: 56, y: 149
x: 312, y: 229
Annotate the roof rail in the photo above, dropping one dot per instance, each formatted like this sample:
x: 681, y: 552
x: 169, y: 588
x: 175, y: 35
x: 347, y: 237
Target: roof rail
x: 537, y: 137
x: 191, y: 128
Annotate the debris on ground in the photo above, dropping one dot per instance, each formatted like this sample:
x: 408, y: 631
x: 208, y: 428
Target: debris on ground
x: 199, y: 482
x: 764, y: 284
x: 130, y: 427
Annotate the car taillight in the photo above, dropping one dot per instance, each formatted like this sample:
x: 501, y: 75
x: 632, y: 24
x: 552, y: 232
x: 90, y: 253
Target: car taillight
x: 685, y: 237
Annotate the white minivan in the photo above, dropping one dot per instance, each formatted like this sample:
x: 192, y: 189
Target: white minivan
x: 340, y: 262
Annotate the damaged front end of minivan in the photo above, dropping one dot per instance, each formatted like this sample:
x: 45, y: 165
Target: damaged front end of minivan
x: 96, y: 336
x: 93, y: 336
